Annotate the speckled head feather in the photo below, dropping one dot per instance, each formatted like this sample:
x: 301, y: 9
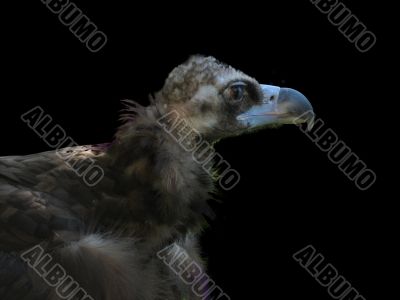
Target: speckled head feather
x: 185, y: 80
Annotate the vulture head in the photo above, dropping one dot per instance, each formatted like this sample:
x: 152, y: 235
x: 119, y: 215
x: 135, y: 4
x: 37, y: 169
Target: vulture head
x: 219, y: 101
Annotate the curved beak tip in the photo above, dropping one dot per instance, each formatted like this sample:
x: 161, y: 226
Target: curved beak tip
x: 297, y: 107
x: 294, y: 102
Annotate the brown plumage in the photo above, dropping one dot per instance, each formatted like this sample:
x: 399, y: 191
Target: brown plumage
x: 153, y: 192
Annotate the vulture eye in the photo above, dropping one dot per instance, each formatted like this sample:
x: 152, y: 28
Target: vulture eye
x: 237, y: 92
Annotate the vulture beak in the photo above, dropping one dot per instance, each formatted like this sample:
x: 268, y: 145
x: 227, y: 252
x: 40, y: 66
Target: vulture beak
x: 280, y: 106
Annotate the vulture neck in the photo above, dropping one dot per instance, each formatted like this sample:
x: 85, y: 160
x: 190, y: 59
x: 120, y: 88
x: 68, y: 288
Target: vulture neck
x: 158, y: 179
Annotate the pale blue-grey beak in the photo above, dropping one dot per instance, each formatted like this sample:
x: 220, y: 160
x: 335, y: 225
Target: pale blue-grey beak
x: 280, y: 106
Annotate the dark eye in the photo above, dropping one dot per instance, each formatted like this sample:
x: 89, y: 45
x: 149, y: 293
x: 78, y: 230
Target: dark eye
x: 237, y: 91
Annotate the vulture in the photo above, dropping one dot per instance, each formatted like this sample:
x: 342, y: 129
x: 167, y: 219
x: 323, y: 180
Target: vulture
x: 105, y: 237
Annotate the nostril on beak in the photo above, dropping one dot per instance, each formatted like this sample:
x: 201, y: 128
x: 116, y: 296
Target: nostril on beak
x: 269, y: 99
x: 270, y: 93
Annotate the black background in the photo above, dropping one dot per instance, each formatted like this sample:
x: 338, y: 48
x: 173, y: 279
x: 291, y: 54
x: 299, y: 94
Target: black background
x: 290, y: 194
